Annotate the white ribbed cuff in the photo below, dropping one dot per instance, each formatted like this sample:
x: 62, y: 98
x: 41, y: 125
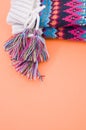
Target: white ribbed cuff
x: 16, y: 28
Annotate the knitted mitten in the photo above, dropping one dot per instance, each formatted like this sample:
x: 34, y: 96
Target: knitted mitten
x: 32, y: 20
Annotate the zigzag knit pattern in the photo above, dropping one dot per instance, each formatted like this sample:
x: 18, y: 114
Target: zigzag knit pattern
x: 64, y: 19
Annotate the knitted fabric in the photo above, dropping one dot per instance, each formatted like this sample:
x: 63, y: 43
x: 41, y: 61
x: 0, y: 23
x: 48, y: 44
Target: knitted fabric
x: 34, y: 20
x: 64, y: 19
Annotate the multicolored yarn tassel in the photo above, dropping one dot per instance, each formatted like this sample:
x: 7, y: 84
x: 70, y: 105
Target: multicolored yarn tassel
x: 27, y: 52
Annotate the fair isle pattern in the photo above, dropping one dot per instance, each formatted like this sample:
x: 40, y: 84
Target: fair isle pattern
x: 64, y: 19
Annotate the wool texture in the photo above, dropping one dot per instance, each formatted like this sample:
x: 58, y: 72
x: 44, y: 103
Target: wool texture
x: 64, y: 19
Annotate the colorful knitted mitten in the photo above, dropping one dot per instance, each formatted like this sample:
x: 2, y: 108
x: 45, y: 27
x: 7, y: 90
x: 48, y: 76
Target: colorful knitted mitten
x: 34, y: 20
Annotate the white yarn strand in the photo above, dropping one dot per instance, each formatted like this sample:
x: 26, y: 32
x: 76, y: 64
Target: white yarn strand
x: 33, y: 17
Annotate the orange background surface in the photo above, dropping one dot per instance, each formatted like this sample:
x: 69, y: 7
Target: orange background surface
x: 57, y: 103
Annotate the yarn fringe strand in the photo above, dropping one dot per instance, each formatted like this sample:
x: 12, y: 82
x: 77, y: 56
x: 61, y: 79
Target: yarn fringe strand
x: 27, y: 52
